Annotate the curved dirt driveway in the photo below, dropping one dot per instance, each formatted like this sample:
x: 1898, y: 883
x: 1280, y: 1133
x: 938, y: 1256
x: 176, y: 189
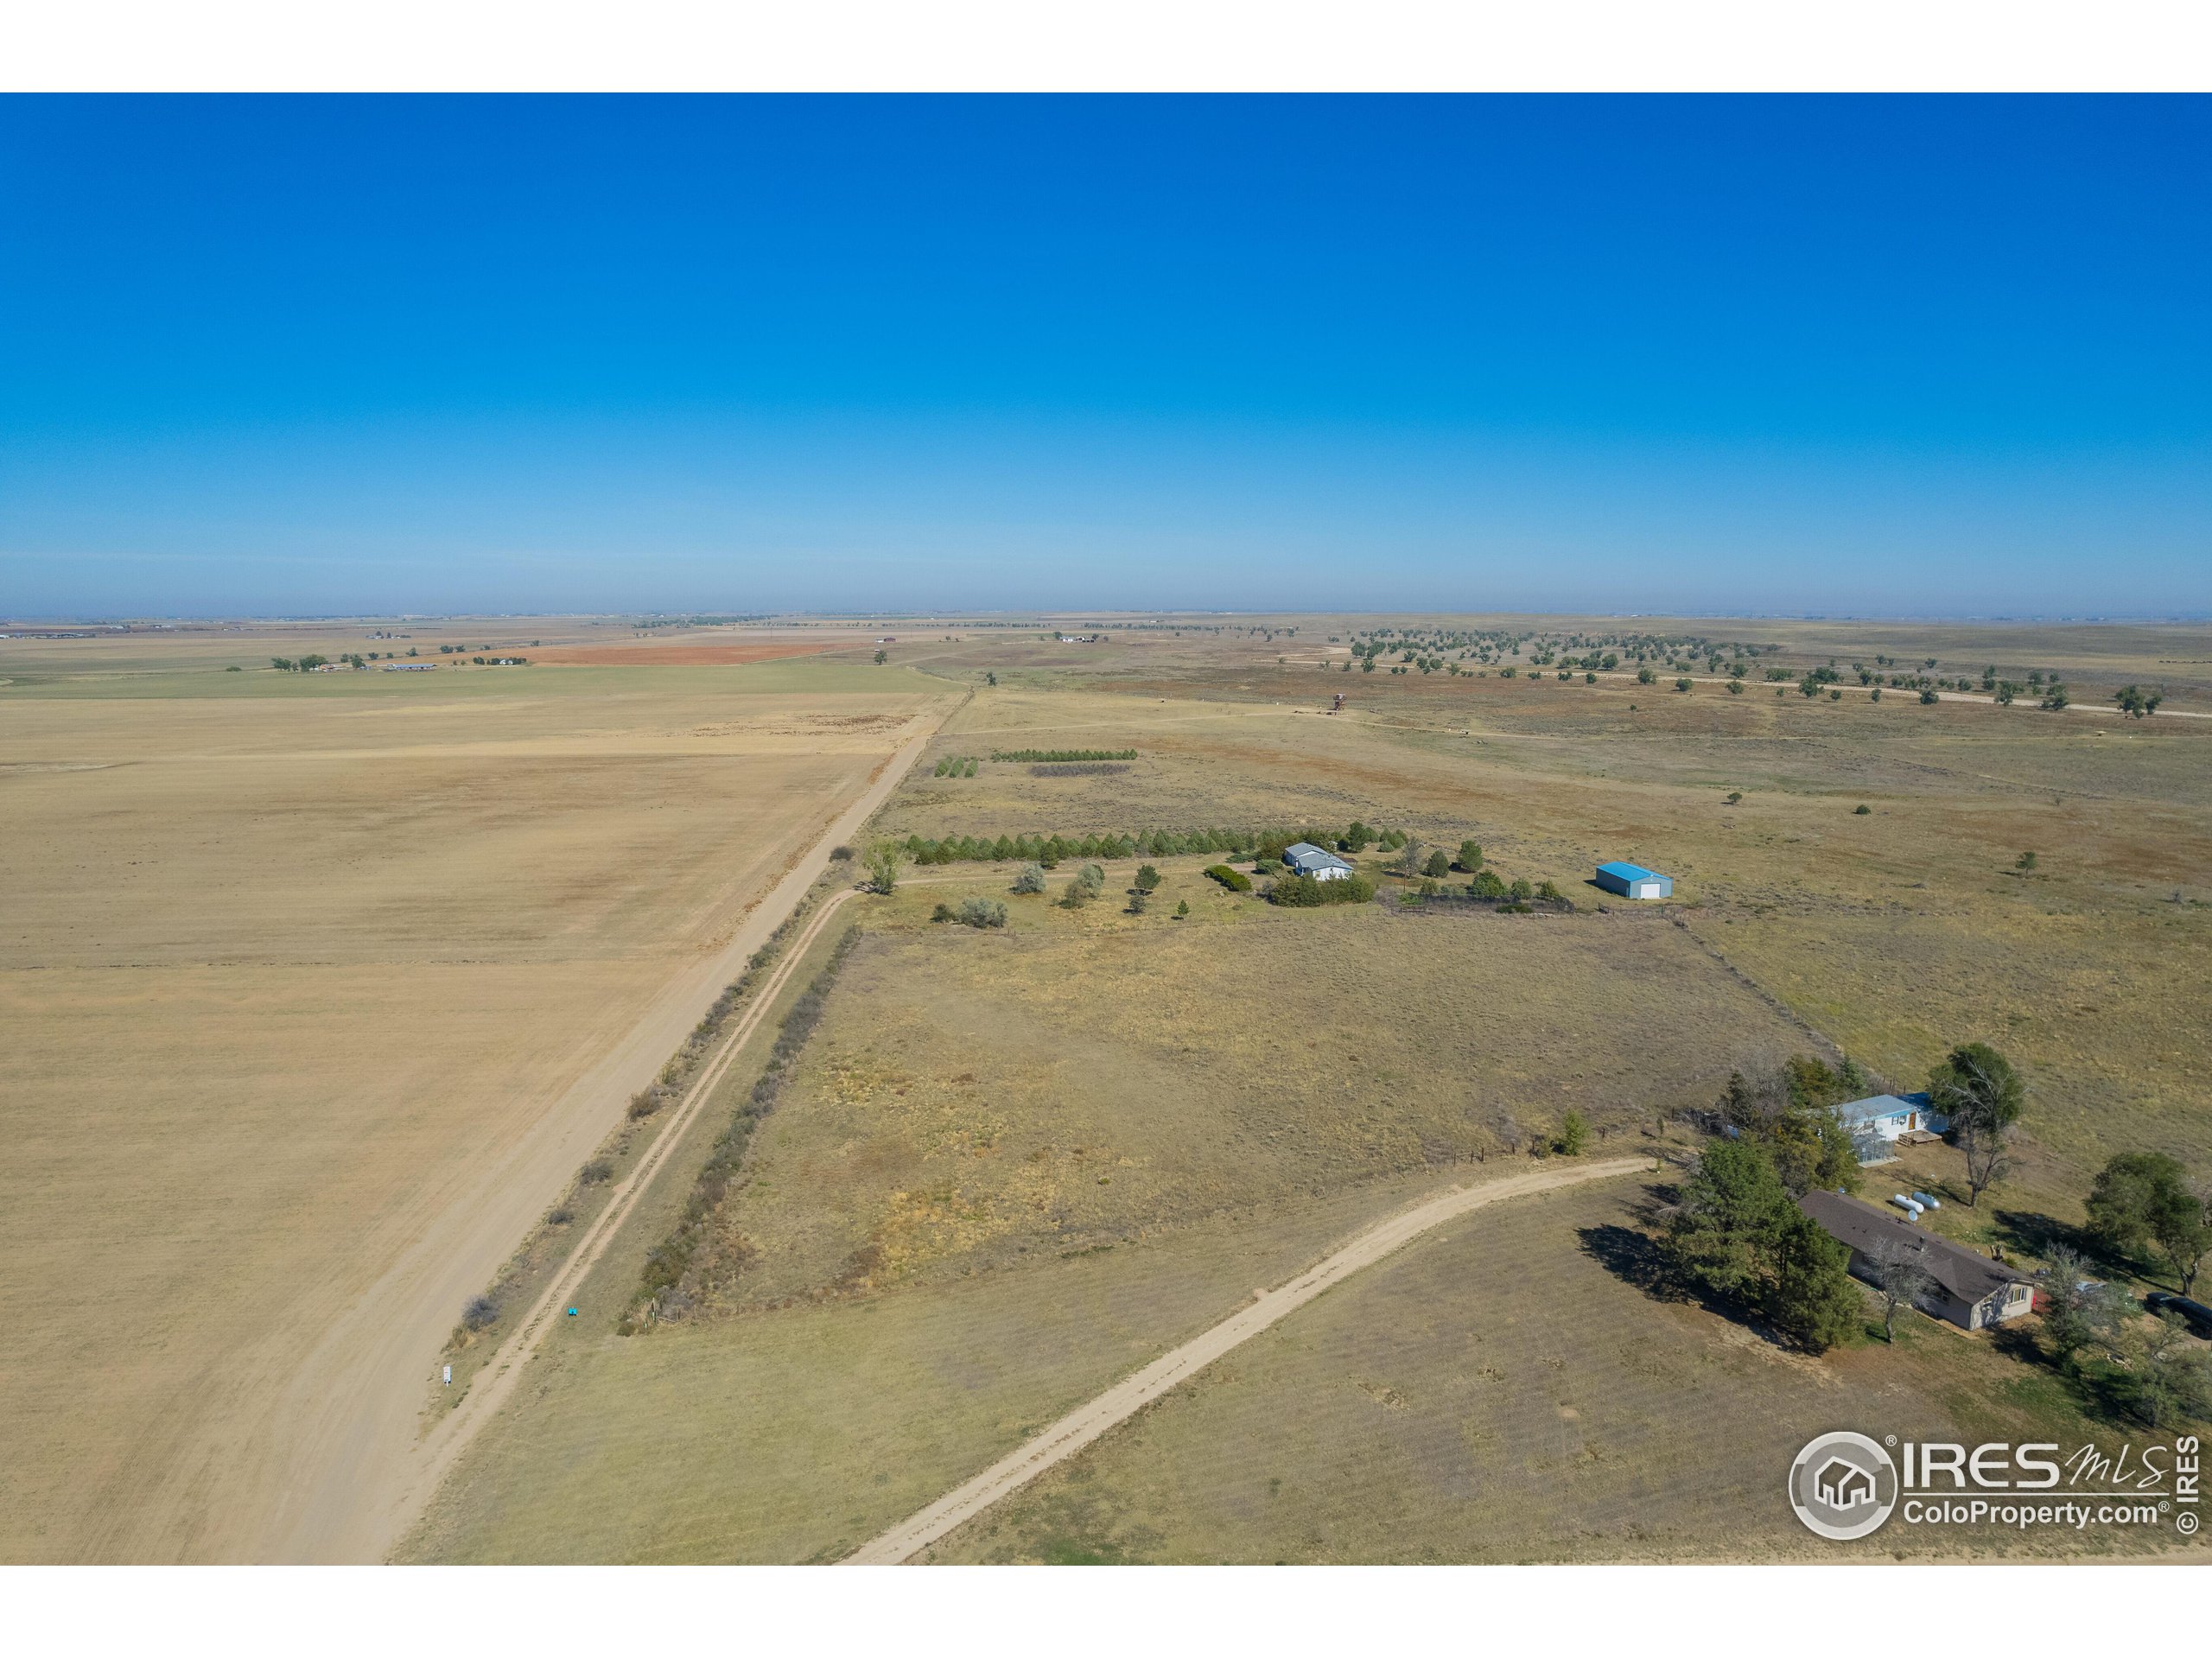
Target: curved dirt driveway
x: 1125, y: 1399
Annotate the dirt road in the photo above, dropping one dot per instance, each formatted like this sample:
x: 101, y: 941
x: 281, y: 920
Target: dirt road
x: 1125, y: 1399
x: 336, y: 1456
x: 495, y: 1381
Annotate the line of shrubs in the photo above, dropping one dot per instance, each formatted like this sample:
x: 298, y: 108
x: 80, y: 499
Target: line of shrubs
x: 1235, y: 880
x: 1302, y: 892
x: 1492, y: 891
x: 1063, y: 754
x: 955, y: 765
x: 479, y: 1312
x: 660, y: 1294
x: 973, y: 912
x: 1079, y: 769
x: 1049, y: 850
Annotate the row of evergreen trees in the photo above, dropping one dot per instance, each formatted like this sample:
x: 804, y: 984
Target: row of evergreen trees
x: 1148, y: 844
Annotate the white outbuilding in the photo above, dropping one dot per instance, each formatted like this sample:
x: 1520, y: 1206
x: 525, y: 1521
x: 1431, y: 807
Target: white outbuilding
x: 1303, y: 858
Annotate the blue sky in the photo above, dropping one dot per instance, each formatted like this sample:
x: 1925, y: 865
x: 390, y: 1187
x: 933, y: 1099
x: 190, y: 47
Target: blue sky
x: 1878, y: 356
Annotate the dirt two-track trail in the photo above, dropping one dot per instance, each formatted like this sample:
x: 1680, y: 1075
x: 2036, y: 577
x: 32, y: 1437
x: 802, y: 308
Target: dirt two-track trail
x: 1088, y: 1421
x: 337, y: 1465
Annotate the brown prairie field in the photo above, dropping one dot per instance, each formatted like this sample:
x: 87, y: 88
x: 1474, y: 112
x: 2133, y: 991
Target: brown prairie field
x: 1501, y: 1390
x: 1010, y: 1167
x: 318, y: 989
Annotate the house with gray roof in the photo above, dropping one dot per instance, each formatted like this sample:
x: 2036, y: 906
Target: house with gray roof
x: 1303, y: 858
x: 1968, y: 1289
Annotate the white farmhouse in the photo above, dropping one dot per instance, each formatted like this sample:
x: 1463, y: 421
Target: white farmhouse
x: 1876, y: 1122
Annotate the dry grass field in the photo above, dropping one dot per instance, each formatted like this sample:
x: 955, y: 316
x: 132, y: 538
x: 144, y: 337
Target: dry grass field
x: 1497, y: 1391
x: 1012, y: 1166
x: 990, y: 1128
x: 301, y: 977
x: 989, y: 1133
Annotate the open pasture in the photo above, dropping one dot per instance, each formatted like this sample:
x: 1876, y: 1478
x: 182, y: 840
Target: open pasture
x: 305, y: 989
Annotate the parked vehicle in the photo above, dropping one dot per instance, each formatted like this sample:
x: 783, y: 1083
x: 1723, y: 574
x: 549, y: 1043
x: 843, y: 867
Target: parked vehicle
x: 2195, y: 1315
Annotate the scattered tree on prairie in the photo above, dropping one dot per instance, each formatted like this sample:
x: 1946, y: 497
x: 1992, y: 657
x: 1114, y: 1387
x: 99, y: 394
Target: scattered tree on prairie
x: 883, y: 867
x: 1899, y: 1281
x: 2143, y: 1201
x: 1977, y: 1090
x: 1739, y: 1236
x: 2079, y: 1312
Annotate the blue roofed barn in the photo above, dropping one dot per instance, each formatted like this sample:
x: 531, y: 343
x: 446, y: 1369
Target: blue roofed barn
x: 1634, y: 881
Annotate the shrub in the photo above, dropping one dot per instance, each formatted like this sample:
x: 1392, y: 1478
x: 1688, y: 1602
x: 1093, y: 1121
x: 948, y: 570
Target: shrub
x: 1681, y: 685
x: 1182, y: 908
x: 1062, y: 755
x: 478, y: 1312
x: 1235, y: 880
x: 1148, y: 878
x: 1928, y: 695
x: 1520, y: 890
x: 644, y: 1104
x: 1835, y: 696
x: 1031, y: 879
x: 560, y: 1216
x: 1138, y: 901
x: 840, y: 855
x: 1645, y: 677
x: 981, y: 913
x: 1470, y: 857
x: 1860, y: 811
x: 598, y: 1170
x: 942, y: 914
x: 1303, y: 892
x: 1487, y: 884
x: 1439, y: 863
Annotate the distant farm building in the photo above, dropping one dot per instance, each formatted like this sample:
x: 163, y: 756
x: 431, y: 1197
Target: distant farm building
x: 1968, y: 1289
x: 1306, y: 859
x: 1634, y: 881
x: 1879, y: 1121
x: 408, y: 668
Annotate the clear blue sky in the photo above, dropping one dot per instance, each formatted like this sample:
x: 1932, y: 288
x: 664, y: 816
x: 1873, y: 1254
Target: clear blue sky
x: 1878, y: 356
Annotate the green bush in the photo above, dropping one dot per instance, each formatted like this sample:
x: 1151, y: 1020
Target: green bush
x: 1148, y: 878
x: 1303, y: 892
x: 1235, y: 880
x: 1487, y: 884
x: 981, y: 913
